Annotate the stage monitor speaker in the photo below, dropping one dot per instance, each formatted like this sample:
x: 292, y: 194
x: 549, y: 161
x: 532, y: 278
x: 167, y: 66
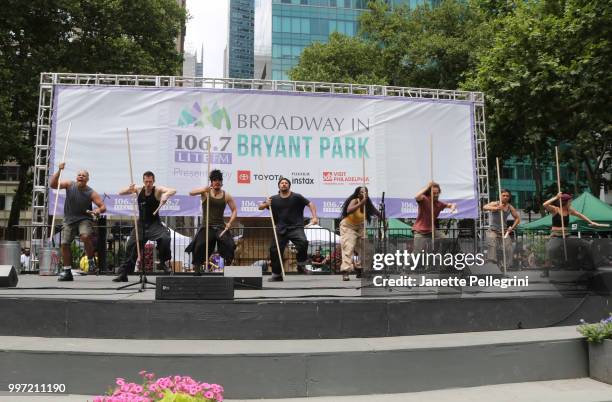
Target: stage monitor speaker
x: 8, y: 276
x: 601, y: 281
x: 194, y: 288
x: 487, y: 269
x: 245, y: 277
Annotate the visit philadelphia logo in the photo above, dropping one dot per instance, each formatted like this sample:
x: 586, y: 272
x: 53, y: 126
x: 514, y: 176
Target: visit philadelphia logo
x: 198, y: 116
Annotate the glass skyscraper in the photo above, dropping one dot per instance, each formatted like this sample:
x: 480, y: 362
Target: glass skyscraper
x: 241, y: 61
x: 298, y: 23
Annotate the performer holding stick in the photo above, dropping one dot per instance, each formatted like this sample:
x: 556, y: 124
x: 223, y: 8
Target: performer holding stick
x: 424, y: 226
x: 357, y: 208
x: 561, y: 208
x: 288, y: 213
x: 78, y: 217
x: 496, y: 235
x: 218, y: 231
x: 150, y: 198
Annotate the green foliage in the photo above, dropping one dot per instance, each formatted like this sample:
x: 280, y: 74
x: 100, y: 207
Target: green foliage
x: 424, y: 47
x: 547, y: 81
x: 170, y: 396
x: 597, y: 332
x: 343, y: 59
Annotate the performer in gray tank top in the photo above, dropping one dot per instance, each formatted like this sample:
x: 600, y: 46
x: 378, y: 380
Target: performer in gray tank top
x: 78, y: 218
x: 494, y: 235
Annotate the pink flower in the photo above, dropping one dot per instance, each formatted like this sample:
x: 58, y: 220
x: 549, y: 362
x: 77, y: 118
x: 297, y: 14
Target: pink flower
x: 206, y: 385
x: 120, y: 381
x: 209, y: 395
x: 142, y: 372
x: 138, y: 389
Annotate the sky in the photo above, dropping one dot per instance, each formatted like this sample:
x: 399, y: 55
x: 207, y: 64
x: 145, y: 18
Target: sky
x: 208, y: 26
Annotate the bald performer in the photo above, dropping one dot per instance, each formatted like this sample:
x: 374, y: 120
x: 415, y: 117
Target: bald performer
x: 78, y: 217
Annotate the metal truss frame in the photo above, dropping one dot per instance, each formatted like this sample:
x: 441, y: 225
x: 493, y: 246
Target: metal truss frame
x: 48, y: 81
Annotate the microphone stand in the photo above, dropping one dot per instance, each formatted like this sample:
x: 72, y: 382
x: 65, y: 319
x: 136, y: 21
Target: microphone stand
x: 382, y: 230
x: 142, y: 281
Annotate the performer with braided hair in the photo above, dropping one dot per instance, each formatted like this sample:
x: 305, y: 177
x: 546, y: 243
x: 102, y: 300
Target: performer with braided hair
x: 357, y: 207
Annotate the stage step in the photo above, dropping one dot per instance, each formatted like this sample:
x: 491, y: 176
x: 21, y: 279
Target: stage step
x: 301, y: 368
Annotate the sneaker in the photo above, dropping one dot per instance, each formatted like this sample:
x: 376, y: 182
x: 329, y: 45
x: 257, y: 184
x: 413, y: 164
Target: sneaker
x: 345, y: 276
x: 163, y: 267
x: 121, y: 276
x: 65, y: 276
x: 93, y: 269
x: 275, y: 278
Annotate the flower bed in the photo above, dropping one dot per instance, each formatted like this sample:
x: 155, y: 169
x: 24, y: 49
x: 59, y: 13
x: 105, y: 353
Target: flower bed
x: 165, y: 389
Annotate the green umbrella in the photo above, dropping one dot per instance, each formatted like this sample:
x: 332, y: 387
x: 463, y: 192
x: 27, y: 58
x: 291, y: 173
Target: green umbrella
x: 588, y: 205
x: 397, y: 228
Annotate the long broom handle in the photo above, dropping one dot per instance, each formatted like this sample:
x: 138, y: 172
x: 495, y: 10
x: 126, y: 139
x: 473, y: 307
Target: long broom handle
x: 135, y: 207
x: 501, y: 215
x: 280, y: 257
x: 59, y: 183
x: 431, y: 198
x: 560, y: 202
x: 207, y: 206
x: 365, y: 213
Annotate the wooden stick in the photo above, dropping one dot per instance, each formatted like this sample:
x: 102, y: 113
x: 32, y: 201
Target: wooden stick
x: 59, y: 183
x: 134, y: 215
x: 431, y: 196
x: 158, y: 208
x: 207, y: 204
x: 501, y: 216
x: 280, y: 257
x: 560, y: 202
x: 365, y: 212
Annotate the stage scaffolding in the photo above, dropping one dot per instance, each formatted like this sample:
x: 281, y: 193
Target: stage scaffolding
x: 48, y: 81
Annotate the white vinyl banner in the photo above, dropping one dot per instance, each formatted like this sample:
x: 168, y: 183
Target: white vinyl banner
x: 327, y: 145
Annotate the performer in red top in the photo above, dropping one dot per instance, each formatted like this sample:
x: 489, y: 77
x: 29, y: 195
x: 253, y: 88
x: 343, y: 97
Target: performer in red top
x: 422, y: 227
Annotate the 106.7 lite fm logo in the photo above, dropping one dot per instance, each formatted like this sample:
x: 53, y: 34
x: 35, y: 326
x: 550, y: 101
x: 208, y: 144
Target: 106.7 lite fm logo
x: 192, y: 146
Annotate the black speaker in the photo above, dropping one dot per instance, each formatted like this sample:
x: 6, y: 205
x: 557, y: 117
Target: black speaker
x: 487, y: 269
x: 245, y: 277
x: 194, y: 288
x: 8, y: 276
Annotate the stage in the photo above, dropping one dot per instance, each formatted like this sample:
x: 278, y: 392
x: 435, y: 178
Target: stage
x: 299, y: 287
x: 311, y: 331
x: 301, y: 307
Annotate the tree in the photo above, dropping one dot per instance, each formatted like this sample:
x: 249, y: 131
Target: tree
x: 342, y: 59
x: 546, y: 84
x: 429, y: 47
x: 425, y: 47
x: 94, y: 36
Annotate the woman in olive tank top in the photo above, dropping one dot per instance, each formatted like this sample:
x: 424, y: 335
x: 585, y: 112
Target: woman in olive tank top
x: 555, y: 255
x: 219, y: 234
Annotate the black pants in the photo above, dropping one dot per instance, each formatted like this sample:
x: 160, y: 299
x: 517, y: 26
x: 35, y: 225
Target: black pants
x: 225, y: 245
x: 154, y: 232
x: 298, y: 238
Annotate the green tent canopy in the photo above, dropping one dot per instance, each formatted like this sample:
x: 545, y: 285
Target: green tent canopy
x: 588, y: 205
x: 397, y: 228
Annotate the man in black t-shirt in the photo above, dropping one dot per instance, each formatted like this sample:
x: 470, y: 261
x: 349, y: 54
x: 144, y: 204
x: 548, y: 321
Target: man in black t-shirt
x: 288, y: 213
